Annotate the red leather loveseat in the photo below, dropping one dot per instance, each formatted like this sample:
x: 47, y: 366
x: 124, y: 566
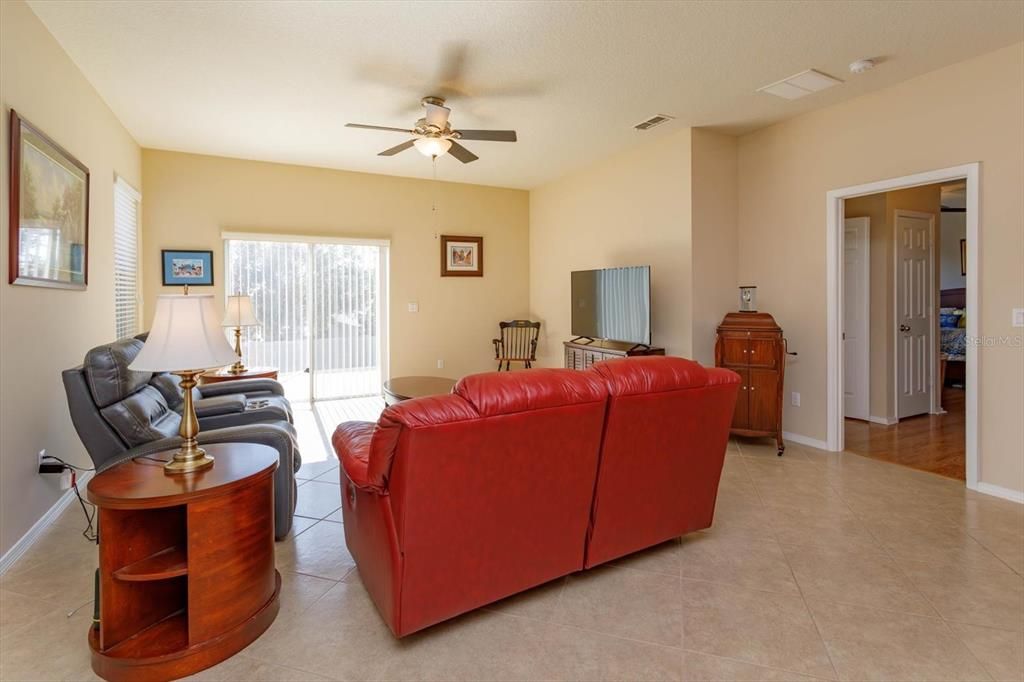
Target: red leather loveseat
x: 515, y: 479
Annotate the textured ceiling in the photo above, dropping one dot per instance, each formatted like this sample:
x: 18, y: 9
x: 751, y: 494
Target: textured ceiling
x: 276, y: 81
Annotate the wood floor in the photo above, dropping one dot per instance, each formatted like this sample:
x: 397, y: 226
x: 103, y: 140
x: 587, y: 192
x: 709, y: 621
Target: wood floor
x: 935, y: 443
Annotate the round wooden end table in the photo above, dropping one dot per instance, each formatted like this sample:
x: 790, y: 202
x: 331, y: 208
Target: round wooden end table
x: 405, y: 388
x: 186, y: 576
x: 217, y: 375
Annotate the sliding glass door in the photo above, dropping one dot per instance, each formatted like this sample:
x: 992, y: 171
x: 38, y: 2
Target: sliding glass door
x: 322, y: 311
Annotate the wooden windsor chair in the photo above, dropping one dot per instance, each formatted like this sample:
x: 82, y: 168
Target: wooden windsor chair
x: 517, y: 343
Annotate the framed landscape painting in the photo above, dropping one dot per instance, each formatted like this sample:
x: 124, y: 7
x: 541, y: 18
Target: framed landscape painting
x: 49, y: 211
x: 194, y: 268
x: 462, y: 256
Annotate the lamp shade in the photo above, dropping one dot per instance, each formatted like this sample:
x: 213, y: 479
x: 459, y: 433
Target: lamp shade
x: 185, y: 336
x: 238, y: 312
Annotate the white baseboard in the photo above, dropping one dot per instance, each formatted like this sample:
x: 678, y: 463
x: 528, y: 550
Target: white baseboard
x: 805, y: 440
x: 886, y: 421
x: 999, y: 491
x: 28, y: 539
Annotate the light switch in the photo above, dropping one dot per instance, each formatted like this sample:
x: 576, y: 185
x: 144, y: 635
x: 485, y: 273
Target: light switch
x: 414, y: 307
x: 1018, y: 317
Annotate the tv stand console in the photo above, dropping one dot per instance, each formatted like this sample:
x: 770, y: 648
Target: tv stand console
x: 581, y: 354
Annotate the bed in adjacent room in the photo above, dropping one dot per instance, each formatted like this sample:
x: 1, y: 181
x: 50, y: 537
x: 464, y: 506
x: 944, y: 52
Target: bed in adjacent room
x: 953, y: 336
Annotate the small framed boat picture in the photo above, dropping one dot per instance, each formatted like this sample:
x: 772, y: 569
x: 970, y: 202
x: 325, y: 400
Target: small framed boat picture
x: 194, y: 268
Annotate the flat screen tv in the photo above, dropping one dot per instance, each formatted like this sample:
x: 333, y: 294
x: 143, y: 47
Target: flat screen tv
x: 613, y: 304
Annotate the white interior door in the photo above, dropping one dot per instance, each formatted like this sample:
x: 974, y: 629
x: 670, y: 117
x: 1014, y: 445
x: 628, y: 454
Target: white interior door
x: 856, y: 317
x: 914, y: 234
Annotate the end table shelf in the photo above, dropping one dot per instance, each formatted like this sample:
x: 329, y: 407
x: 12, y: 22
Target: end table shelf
x: 167, y: 563
x: 187, y: 573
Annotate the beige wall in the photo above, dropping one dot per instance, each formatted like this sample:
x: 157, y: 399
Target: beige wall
x: 952, y: 228
x: 715, y: 286
x: 44, y: 331
x: 971, y: 111
x: 191, y: 199
x: 670, y: 204
x: 630, y: 209
x: 882, y: 354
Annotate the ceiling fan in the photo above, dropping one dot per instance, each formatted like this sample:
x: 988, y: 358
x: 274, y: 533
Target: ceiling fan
x: 434, y: 136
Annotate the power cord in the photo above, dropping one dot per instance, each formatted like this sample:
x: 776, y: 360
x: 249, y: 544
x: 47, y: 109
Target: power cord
x: 152, y: 459
x: 89, y: 533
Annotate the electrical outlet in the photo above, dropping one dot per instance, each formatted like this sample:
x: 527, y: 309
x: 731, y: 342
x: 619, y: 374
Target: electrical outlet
x: 48, y: 465
x: 65, y: 479
x: 414, y: 307
x: 1018, y: 317
x: 794, y: 399
x: 440, y: 364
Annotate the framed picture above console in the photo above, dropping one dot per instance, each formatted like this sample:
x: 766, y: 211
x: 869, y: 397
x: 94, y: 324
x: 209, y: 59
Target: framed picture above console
x: 49, y: 211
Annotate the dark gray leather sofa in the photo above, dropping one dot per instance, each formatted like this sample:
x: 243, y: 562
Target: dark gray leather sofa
x: 120, y: 413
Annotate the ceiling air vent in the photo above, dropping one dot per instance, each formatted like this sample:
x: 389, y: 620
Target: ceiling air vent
x: 800, y: 85
x: 652, y: 121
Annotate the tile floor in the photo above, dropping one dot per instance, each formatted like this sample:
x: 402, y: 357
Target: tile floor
x: 819, y: 566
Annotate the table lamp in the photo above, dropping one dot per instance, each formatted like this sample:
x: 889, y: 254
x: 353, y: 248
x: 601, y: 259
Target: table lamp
x: 185, y: 340
x: 238, y: 314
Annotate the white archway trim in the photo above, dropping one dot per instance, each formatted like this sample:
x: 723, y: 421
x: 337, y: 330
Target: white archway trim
x: 834, y: 277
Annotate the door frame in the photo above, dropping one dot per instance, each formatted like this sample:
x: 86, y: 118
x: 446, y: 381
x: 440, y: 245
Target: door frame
x: 866, y: 352
x: 383, y: 305
x: 933, y: 356
x: 834, y: 298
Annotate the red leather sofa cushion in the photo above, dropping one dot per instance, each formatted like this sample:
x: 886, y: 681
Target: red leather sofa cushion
x: 496, y: 393
x: 664, y: 445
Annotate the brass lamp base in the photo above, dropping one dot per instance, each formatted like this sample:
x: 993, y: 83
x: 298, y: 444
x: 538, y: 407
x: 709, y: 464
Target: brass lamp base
x: 238, y: 367
x: 189, y: 457
x: 186, y: 461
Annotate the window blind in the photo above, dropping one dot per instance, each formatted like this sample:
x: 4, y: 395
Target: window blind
x: 126, y: 259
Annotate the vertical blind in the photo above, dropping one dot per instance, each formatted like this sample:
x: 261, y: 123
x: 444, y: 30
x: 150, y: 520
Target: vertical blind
x: 126, y: 259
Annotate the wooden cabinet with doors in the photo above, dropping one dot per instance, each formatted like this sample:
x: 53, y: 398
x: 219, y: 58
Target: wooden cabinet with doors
x: 751, y: 344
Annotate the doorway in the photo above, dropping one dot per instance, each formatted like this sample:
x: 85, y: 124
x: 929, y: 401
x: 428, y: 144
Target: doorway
x: 322, y: 307
x: 931, y: 429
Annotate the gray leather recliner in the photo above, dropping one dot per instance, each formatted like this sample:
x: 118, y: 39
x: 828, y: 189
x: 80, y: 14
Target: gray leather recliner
x: 120, y: 414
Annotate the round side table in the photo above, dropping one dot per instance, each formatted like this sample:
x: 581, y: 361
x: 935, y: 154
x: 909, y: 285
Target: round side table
x: 215, y: 376
x: 405, y: 388
x: 186, y: 575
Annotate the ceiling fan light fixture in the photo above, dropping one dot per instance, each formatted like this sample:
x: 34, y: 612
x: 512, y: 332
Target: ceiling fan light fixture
x: 432, y: 146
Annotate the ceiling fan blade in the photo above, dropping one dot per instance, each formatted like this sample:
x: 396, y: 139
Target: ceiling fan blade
x: 369, y: 127
x: 397, y: 148
x: 461, y: 153
x: 436, y: 115
x: 453, y: 70
x: 488, y: 135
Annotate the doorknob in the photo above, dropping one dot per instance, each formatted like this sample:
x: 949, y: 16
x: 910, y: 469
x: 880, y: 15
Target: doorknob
x: 904, y: 328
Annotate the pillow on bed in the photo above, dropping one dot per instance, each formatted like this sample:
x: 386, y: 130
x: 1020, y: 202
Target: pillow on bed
x: 949, y: 318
